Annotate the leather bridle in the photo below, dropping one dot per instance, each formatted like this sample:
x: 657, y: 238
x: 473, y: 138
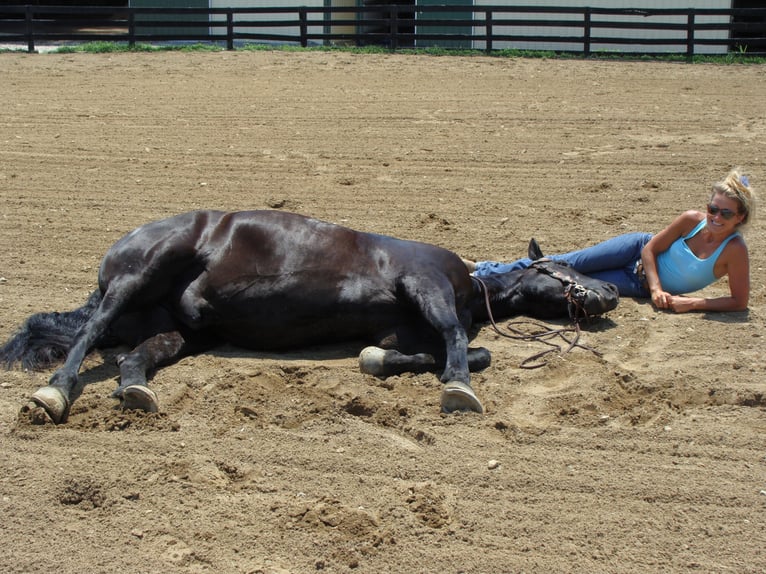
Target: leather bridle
x: 575, y: 296
x: 574, y: 293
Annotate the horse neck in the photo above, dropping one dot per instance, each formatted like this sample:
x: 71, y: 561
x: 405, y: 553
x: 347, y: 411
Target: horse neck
x: 500, y: 291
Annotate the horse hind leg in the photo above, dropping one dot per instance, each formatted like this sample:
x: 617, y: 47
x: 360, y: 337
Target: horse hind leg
x: 133, y: 391
x: 63, y: 388
x: 159, y: 350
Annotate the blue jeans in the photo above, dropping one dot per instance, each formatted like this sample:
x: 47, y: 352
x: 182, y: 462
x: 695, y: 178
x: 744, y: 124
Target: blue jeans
x: 613, y: 260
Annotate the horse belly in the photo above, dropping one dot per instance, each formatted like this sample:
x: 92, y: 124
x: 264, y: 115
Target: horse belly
x: 279, y: 313
x: 290, y: 326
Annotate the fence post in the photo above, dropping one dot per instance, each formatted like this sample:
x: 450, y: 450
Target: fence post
x: 303, y: 17
x: 28, y: 29
x: 131, y: 27
x: 690, y: 34
x: 488, y: 30
x: 394, y: 32
x: 586, y: 32
x: 230, y: 29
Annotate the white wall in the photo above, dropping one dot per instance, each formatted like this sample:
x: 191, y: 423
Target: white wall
x: 610, y: 32
x: 536, y: 30
x: 293, y: 31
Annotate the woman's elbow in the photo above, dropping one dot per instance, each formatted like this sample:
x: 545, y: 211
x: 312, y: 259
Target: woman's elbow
x: 740, y: 305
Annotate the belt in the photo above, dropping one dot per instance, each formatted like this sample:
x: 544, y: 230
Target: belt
x: 641, y: 274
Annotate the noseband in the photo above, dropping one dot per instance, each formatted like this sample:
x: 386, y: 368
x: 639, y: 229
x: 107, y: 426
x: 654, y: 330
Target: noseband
x: 574, y: 293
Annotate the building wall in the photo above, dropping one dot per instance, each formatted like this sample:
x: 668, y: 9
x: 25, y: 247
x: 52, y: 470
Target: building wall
x: 202, y: 28
x: 552, y: 32
x: 611, y: 32
x: 293, y: 31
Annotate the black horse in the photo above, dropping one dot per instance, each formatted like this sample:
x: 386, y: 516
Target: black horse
x: 271, y: 280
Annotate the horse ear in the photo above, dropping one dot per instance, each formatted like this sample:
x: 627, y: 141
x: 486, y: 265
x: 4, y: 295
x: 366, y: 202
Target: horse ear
x: 534, y: 252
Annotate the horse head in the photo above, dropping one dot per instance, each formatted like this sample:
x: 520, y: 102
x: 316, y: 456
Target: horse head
x: 547, y: 289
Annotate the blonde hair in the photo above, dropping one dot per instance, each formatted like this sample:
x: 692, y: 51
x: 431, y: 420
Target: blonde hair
x: 736, y: 186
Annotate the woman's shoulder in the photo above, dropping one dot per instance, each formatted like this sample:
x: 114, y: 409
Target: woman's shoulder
x: 733, y: 256
x: 686, y: 222
x: 692, y: 216
x: 736, y: 244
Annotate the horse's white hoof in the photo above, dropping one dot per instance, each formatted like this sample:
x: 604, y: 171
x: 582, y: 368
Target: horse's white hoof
x: 139, y: 398
x: 53, y: 400
x: 458, y: 396
x: 372, y: 361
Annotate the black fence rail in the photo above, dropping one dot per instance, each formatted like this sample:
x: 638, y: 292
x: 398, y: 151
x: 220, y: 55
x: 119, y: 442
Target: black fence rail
x: 396, y: 26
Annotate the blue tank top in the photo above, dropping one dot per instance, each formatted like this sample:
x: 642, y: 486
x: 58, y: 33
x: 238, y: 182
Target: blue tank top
x: 681, y: 271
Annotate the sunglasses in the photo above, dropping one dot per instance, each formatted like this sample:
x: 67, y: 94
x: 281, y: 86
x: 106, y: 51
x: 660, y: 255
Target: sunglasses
x: 725, y: 213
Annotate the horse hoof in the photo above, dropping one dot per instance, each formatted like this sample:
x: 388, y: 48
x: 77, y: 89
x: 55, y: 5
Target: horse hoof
x: 479, y: 359
x: 372, y: 361
x: 139, y: 398
x: 53, y: 400
x: 457, y: 396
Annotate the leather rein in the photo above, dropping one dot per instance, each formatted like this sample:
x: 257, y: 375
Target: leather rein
x: 575, y: 296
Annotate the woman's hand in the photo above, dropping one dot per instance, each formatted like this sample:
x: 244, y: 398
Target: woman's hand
x: 681, y: 304
x: 662, y: 299
x: 676, y: 303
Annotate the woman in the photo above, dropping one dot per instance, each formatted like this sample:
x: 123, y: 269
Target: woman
x: 692, y: 252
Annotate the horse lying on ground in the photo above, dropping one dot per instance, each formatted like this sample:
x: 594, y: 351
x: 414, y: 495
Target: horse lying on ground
x: 271, y: 280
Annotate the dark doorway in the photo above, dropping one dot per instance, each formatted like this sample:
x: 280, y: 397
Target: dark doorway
x: 748, y: 27
x: 380, y: 23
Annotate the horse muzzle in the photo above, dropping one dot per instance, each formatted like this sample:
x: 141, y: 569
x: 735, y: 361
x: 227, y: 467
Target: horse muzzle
x: 602, y: 301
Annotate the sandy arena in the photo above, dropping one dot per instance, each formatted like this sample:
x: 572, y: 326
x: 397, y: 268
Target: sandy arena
x: 648, y: 459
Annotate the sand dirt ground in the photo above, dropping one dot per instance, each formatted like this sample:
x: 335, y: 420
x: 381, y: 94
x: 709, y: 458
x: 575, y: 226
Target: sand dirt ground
x: 648, y: 459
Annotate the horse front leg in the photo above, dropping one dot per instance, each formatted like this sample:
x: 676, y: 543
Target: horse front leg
x: 437, y: 305
x: 389, y: 362
x: 457, y: 393
x: 384, y: 363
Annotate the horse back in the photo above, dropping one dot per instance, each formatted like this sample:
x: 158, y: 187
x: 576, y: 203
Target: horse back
x: 301, y: 280
x: 269, y: 278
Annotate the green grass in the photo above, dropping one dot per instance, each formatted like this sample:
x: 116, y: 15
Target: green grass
x: 736, y: 57
x: 110, y: 47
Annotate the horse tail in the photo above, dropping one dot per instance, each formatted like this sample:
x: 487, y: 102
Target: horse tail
x: 45, y: 338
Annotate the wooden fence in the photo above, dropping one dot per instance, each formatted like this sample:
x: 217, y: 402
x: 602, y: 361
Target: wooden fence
x: 567, y: 29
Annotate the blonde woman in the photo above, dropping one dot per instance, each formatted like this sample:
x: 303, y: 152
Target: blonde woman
x: 695, y: 250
